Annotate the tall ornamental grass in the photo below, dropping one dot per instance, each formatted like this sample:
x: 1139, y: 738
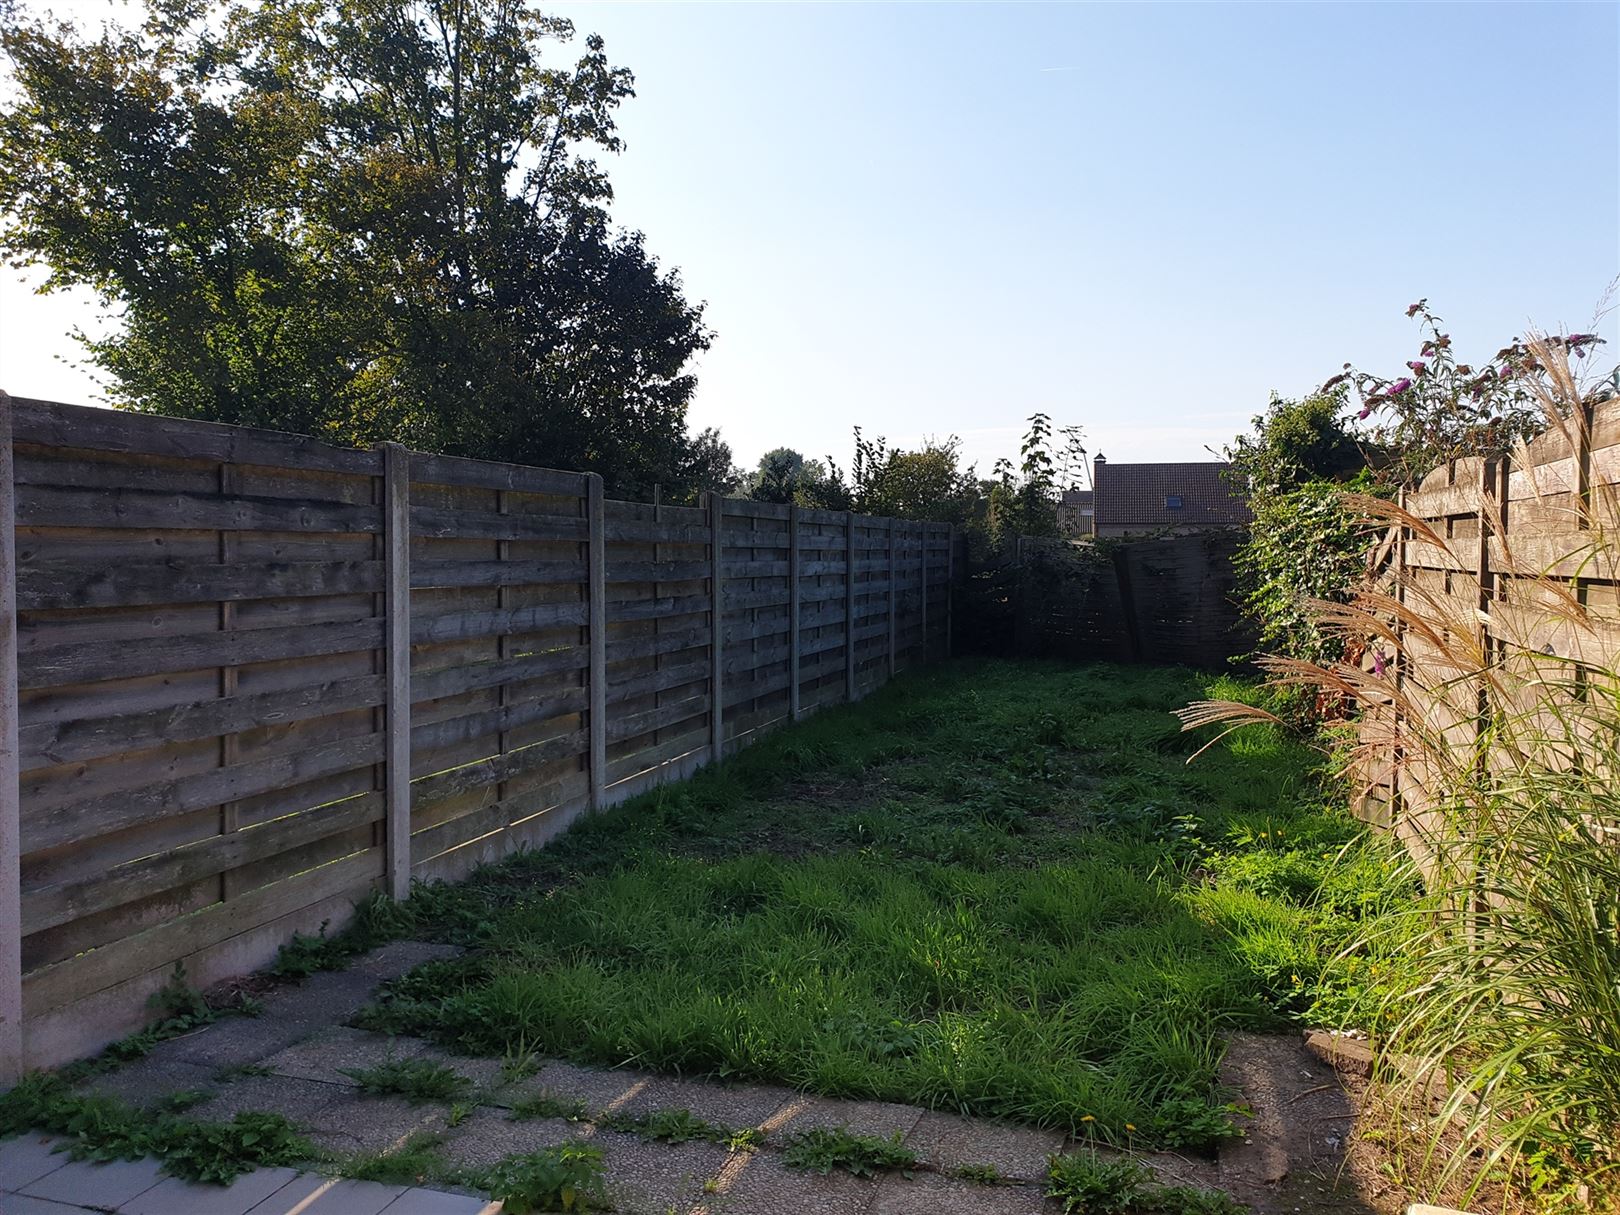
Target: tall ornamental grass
x: 1498, y: 1028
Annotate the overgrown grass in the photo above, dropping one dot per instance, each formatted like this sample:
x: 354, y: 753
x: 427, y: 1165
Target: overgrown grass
x: 995, y: 888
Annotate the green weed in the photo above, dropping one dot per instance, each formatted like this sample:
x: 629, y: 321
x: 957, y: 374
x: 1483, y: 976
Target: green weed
x: 563, y: 1178
x: 983, y: 1174
x: 417, y: 1080
x: 1087, y: 1185
x: 103, y: 1128
x: 547, y: 1105
x: 821, y: 1151
x: 411, y: 1163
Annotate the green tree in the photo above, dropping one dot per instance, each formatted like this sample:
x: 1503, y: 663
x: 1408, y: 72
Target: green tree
x: 375, y: 219
x: 784, y: 475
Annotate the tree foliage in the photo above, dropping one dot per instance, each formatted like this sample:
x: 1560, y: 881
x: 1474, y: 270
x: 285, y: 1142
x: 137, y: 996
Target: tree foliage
x: 363, y: 220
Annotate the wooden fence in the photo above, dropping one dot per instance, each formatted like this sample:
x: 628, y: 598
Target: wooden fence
x: 1514, y: 570
x: 248, y: 677
x: 1166, y: 601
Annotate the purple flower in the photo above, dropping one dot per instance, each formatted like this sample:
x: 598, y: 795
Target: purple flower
x: 1366, y: 412
x: 1414, y: 309
x: 1378, y: 662
x: 1398, y: 387
x: 1576, y: 340
x: 1418, y: 366
x: 1506, y: 372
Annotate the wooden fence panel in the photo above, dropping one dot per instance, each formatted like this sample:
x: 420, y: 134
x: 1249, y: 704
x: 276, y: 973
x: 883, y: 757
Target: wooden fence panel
x: 1483, y: 530
x: 257, y: 676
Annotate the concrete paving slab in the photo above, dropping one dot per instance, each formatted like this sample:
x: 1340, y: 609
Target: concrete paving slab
x: 400, y: 957
x: 879, y: 1118
x: 488, y: 1135
x: 108, y: 1186
x: 235, y: 1041
x: 315, y: 1195
x: 416, y: 1201
x: 328, y: 998
x: 324, y: 1055
x: 145, y: 1080
x: 948, y: 1142
x: 22, y: 1204
x: 294, y: 1098
x: 649, y: 1178
x: 736, y: 1107
x: 371, y: 1124
x: 175, y: 1197
x: 931, y: 1194
x: 759, y: 1183
x: 29, y: 1157
x: 598, y: 1087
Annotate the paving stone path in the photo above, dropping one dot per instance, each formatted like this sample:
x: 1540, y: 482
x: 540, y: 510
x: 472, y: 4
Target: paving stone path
x: 288, y: 1061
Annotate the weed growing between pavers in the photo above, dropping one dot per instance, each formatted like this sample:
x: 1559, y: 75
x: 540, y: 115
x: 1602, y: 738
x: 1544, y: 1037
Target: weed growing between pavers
x: 567, y: 1177
x: 995, y: 888
x: 1087, y: 1185
x: 821, y: 1150
x: 548, y: 1105
x: 417, y: 1080
x: 414, y: 1162
x: 104, y: 1128
x: 681, y: 1126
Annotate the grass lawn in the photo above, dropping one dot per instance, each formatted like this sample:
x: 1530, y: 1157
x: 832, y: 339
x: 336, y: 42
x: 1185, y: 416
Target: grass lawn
x: 993, y: 887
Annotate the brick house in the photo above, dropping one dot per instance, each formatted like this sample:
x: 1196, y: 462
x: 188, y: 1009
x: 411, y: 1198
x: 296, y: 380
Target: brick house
x: 1130, y: 499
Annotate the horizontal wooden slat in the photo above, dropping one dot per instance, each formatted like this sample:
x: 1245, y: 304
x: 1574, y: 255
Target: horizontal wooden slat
x: 52, y: 585
x: 51, y: 826
x: 59, y: 742
x: 59, y: 904
x: 495, y: 622
x: 430, y: 573
x: 55, y: 425
x: 489, y: 474
x: 488, y: 525
x: 56, y: 506
x: 82, y: 662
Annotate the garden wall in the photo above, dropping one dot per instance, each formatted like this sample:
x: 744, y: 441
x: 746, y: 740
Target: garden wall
x: 248, y: 677
x: 1513, y: 560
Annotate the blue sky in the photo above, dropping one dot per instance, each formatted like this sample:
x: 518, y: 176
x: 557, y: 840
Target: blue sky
x: 927, y: 219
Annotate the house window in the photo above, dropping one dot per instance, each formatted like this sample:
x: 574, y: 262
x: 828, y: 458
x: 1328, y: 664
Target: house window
x: 1172, y: 501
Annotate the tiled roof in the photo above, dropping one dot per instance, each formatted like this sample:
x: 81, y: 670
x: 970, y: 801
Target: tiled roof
x: 1078, y: 498
x: 1146, y: 495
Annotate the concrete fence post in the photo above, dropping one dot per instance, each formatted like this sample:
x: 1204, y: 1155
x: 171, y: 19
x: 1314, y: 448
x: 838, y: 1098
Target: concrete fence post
x: 397, y: 665
x: 849, y: 606
x: 922, y: 578
x: 894, y: 583
x: 717, y: 621
x: 11, y: 928
x: 596, y: 590
x: 793, y: 611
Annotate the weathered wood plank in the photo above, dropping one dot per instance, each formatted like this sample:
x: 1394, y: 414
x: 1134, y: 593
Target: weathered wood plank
x: 59, y: 506
x: 490, y: 525
x: 459, y: 626
x: 51, y: 424
x: 53, y: 825
x: 430, y: 573
x: 42, y: 585
x: 87, y: 661
x: 491, y: 474
x: 80, y: 738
